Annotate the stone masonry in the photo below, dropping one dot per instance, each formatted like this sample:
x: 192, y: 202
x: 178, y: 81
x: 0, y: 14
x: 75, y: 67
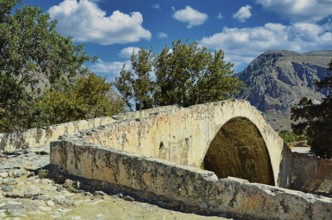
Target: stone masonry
x: 182, y: 187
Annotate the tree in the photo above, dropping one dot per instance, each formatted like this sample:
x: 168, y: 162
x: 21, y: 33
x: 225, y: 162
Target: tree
x: 135, y: 85
x: 316, y: 119
x: 29, y: 43
x: 185, y: 74
x: 84, y: 99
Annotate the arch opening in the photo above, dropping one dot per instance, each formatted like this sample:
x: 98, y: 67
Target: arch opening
x: 239, y: 150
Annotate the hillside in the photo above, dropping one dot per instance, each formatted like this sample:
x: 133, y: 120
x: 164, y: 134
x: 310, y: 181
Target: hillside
x: 277, y: 80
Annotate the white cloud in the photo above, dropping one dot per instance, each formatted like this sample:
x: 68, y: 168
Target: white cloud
x: 220, y: 16
x: 112, y: 68
x: 190, y: 16
x: 243, y: 13
x: 299, y: 10
x: 243, y: 45
x: 87, y: 23
x: 127, y: 52
x: 162, y: 35
x: 156, y: 6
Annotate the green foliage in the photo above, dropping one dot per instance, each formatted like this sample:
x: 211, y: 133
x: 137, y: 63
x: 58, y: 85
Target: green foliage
x: 14, y: 104
x: 290, y: 137
x: 136, y: 83
x: 29, y: 43
x: 316, y: 119
x: 87, y: 98
x: 184, y: 74
x: 42, y: 173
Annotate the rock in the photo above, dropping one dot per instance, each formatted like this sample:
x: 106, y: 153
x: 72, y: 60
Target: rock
x: 19, y: 173
x: 60, y: 188
x: 50, y: 203
x: 128, y: 198
x: 30, y: 174
x: 88, y: 194
x: 45, y: 208
x: 15, y: 209
x: 43, y: 197
x: 9, y: 181
x: 16, y: 213
x: 4, y: 174
x: 29, y: 192
x: 63, y: 201
x: 68, y: 183
x: 2, y: 214
x: 99, y: 193
x: 7, y: 188
x: 32, y: 191
x: 277, y: 80
x: 78, y: 191
x: 46, y: 181
x: 77, y: 184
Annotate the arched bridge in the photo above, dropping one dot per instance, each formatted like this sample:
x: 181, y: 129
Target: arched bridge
x: 230, y: 138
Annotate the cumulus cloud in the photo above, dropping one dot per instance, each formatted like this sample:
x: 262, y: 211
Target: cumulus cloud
x: 299, y: 10
x: 243, y: 13
x: 241, y: 45
x: 84, y: 21
x: 162, y: 35
x: 190, y: 16
x: 127, y: 52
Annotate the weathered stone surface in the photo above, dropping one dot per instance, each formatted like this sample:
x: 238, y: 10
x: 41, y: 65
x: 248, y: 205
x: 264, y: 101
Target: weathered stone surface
x: 311, y: 174
x: 84, y: 205
x: 184, y: 135
x: 190, y: 189
x: 36, y: 137
x: 7, y: 188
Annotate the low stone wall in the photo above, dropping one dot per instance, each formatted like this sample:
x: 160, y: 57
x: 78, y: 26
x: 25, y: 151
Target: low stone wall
x: 194, y: 189
x: 311, y: 174
x: 35, y: 137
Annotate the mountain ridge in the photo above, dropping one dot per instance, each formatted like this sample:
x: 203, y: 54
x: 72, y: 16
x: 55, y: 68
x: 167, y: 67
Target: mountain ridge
x: 277, y: 79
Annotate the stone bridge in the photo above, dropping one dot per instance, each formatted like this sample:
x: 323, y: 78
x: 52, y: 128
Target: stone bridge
x: 230, y: 138
x: 157, y: 155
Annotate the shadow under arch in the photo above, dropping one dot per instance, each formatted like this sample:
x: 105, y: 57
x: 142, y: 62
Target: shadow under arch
x: 239, y: 150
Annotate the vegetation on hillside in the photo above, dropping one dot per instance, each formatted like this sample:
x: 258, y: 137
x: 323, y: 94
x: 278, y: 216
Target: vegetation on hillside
x: 291, y: 137
x: 86, y: 98
x: 184, y: 74
x: 315, y: 120
x: 30, y: 44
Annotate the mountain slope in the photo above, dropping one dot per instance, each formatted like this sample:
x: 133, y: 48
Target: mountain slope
x: 277, y: 80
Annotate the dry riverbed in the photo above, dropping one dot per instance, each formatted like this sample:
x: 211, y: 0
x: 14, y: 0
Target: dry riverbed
x: 26, y: 194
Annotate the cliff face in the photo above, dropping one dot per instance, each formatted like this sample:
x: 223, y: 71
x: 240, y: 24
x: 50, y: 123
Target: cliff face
x: 277, y: 80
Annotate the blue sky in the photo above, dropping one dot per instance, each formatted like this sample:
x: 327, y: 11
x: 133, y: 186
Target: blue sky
x: 112, y: 29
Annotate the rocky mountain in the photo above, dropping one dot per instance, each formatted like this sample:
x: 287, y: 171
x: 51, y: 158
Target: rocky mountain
x: 277, y: 80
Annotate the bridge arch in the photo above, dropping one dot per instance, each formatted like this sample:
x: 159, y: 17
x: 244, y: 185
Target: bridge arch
x: 239, y: 150
x: 216, y: 117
